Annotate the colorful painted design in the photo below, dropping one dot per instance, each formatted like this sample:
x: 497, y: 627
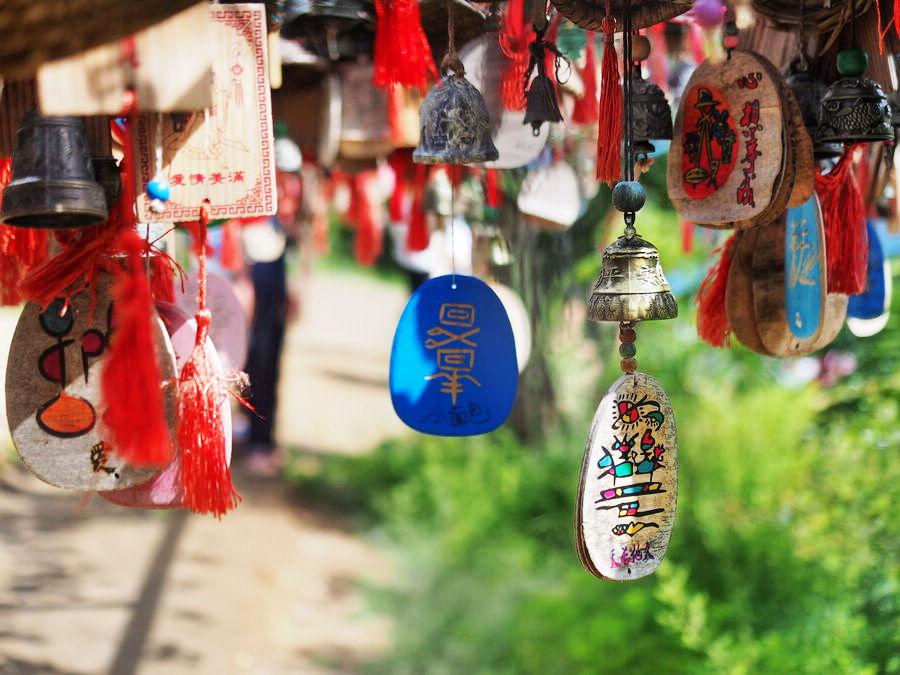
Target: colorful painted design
x: 64, y: 415
x: 804, y: 272
x: 453, y: 363
x: 628, y: 484
x: 749, y: 127
x: 709, y: 141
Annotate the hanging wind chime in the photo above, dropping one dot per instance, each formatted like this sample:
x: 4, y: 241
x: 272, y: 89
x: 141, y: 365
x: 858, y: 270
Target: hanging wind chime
x: 629, y: 481
x: 453, y: 365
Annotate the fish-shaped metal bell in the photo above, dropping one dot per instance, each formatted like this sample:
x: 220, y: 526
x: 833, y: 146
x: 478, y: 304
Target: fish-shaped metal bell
x: 854, y: 109
x: 809, y: 92
x: 53, y: 183
x: 454, y: 124
x: 631, y: 285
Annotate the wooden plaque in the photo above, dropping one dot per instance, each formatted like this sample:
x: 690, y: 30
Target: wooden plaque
x: 804, y: 183
x: 226, y: 153
x: 549, y: 198
x: 629, y: 481
x: 53, y: 393
x: 739, y: 292
x: 728, y: 153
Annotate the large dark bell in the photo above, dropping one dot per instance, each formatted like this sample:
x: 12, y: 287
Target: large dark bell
x: 809, y: 92
x: 454, y: 124
x: 53, y: 182
x: 651, y: 113
x: 854, y: 109
x: 541, y: 104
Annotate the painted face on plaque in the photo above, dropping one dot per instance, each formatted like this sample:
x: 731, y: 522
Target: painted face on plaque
x: 453, y: 363
x: 53, y: 404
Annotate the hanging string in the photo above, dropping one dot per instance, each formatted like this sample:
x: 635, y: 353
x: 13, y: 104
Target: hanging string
x: 452, y: 58
x: 628, y: 154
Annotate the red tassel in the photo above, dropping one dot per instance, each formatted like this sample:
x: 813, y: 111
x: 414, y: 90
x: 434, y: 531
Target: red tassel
x: 20, y: 248
x: 402, y: 53
x: 367, y: 245
x: 897, y: 16
x: 659, y: 56
x: 494, y: 191
x: 609, y: 137
x: 515, y: 36
x: 586, y: 110
x: 400, y: 161
x: 231, y: 254
x: 163, y: 270
x: 687, y: 236
x: 205, y: 476
x: 712, y: 317
x: 417, y: 235
x: 131, y: 384
x: 846, y: 242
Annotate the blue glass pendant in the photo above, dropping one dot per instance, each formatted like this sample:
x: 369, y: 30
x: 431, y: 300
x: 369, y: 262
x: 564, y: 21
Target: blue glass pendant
x: 453, y: 363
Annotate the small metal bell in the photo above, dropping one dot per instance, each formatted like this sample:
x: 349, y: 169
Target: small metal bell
x: 541, y: 104
x: 854, y: 109
x: 631, y: 285
x: 809, y: 92
x: 651, y: 113
x: 454, y: 122
x: 53, y: 182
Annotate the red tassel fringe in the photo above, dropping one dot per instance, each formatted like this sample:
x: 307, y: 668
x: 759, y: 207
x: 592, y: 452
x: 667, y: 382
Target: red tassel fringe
x: 494, y: 190
x: 231, y: 254
x: 712, y: 317
x: 515, y: 36
x: 846, y: 241
x: 132, y: 384
x: 402, y: 53
x: 586, y: 108
x: 205, y: 476
x: 21, y: 248
x: 609, y: 137
x: 400, y: 162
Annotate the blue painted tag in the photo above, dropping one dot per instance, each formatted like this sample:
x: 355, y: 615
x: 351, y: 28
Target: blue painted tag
x: 453, y: 363
x: 804, y: 269
x: 872, y: 302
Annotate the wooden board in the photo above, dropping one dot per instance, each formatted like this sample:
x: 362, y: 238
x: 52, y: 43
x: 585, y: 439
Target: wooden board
x: 628, y: 491
x: 53, y: 394
x: 739, y: 292
x: 225, y: 155
x: 771, y: 285
x: 728, y: 153
x: 804, y: 183
x: 172, y: 71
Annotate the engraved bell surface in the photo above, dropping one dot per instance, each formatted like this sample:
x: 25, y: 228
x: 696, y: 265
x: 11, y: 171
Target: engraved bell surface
x: 651, y: 112
x: 854, y: 109
x: 53, y: 183
x: 454, y: 122
x: 631, y: 285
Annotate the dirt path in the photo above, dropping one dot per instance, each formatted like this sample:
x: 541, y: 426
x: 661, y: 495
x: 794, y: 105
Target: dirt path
x: 87, y: 587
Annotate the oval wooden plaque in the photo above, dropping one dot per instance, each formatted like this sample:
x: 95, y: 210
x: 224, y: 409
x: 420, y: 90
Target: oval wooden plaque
x: 739, y: 292
x: 164, y: 490
x: 795, y: 279
x: 628, y: 490
x: 53, y: 393
x: 728, y: 156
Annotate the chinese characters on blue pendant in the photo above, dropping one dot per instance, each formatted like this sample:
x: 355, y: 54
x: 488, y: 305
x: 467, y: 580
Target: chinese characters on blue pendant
x: 453, y: 362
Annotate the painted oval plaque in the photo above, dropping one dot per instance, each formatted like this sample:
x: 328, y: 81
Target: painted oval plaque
x: 549, y: 198
x: 519, y: 320
x: 804, y: 269
x: 628, y: 490
x: 453, y: 363
x: 164, y: 490
x: 867, y: 312
x: 514, y: 140
x: 53, y: 403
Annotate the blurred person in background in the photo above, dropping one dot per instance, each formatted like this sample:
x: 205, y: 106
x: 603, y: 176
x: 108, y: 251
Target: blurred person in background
x: 266, y: 243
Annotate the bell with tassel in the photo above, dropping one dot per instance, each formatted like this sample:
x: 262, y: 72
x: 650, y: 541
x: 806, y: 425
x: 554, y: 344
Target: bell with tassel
x: 541, y: 103
x: 809, y: 92
x: 628, y: 488
x: 454, y: 124
x: 651, y: 114
x: 53, y: 183
x: 854, y: 109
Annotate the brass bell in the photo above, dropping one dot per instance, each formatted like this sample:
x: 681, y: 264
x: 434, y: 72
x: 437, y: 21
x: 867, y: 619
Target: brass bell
x: 854, y: 109
x: 809, y: 92
x: 650, y: 111
x: 53, y: 182
x: 631, y: 285
x: 454, y: 123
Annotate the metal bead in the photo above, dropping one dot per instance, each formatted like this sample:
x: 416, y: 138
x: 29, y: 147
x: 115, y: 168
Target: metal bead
x: 627, y: 350
x: 629, y: 365
x: 159, y: 188
x: 627, y: 335
x: 628, y: 196
x: 640, y: 48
